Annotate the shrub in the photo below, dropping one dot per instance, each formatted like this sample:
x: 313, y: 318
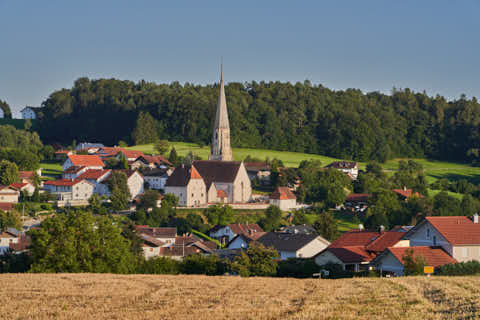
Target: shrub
x: 210, y: 265
x: 297, y: 268
x: 459, y: 269
x: 160, y: 265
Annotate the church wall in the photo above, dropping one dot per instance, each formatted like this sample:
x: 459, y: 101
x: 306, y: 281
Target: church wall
x: 196, y: 193
x: 180, y: 192
x: 212, y: 194
x: 242, y: 194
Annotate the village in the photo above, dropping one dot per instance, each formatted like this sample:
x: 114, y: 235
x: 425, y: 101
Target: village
x: 220, y: 181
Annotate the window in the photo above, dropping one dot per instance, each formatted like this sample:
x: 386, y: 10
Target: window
x: 151, y: 249
x: 434, y: 240
x: 428, y: 233
x: 192, y: 195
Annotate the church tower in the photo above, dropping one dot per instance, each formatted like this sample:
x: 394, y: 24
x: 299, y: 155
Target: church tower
x: 220, y: 149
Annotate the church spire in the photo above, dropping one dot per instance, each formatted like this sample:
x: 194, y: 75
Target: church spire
x: 220, y: 149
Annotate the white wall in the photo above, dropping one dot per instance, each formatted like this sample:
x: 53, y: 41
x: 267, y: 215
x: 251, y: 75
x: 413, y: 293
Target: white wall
x: 312, y: 248
x: 135, y: 184
x: 238, y: 243
x: 327, y: 257
x: 150, y: 252
x: 391, y: 264
x: 2, y: 115
x: 425, y: 236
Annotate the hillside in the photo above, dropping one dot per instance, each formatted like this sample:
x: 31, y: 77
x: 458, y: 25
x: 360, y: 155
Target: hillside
x: 100, y: 296
x: 434, y: 169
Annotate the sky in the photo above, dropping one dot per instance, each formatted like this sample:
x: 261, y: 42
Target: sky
x: 431, y: 45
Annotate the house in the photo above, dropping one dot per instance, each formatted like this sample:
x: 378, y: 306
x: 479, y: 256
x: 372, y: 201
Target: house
x: 259, y: 170
x: 135, y: 182
x: 225, y: 234
x: 151, y: 246
x: 96, y: 177
x: 2, y: 114
x: 294, y: 245
x: 7, y: 238
x: 283, y: 198
x: 28, y: 113
x: 89, y: 146
x: 405, y: 194
x: 67, y: 190
x: 9, y: 194
x: 391, y: 260
x: 459, y: 236
x: 349, y: 167
x: 156, y: 178
x: 151, y: 162
x: 130, y: 155
x: 26, y: 176
x: 187, y: 184
x: 356, y: 249
x: 62, y: 154
x: 24, y: 187
x: 242, y: 241
x: 6, y: 206
x: 302, y: 228
x: 74, y: 172
x: 166, y: 235
x: 88, y: 161
x: 229, y: 176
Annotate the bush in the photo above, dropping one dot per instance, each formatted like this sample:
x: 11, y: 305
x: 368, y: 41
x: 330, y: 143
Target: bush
x: 210, y: 265
x: 459, y: 269
x: 336, y: 271
x: 160, y: 265
x: 297, y: 268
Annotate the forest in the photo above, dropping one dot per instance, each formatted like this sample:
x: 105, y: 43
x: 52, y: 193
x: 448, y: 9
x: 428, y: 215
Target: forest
x: 300, y: 117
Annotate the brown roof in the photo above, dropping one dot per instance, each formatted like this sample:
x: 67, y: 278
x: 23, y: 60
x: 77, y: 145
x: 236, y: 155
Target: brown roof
x: 434, y: 256
x: 407, y: 193
x: 6, y: 206
x: 352, y: 197
x: 130, y: 153
x: 221, y: 194
x: 74, y: 169
x: 248, y: 229
x: 86, y: 160
x: 457, y: 230
x: 93, y: 174
x: 19, y: 186
x: 151, y: 241
x: 385, y: 240
x: 22, y: 244
x: 179, y: 251
x: 282, y: 193
x: 353, y: 254
x: 154, y: 159
x: 217, y: 171
x: 182, y: 175
x: 355, y: 238
x: 157, y: 232
x: 257, y: 166
x: 26, y: 174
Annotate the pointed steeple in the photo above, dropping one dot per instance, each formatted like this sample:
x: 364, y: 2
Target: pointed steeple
x: 220, y: 149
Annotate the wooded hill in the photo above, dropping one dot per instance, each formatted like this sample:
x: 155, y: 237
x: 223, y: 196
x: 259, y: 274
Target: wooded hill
x: 298, y: 117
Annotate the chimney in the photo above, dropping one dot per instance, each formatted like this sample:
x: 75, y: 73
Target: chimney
x: 381, y: 229
x: 475, y: 218
x: 404, y: 188
x: 360, y: 227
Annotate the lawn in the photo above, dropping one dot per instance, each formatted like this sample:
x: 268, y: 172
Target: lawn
x: 434, y: 169
x: 110, y: 296
x: 51, y: 169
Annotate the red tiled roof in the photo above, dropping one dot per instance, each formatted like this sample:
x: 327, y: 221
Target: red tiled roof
x: 221, y: 194
x: 157, y: 232
x: 247, y: 229
x: 358, y: 197
x: 130, y: 153
x: 6, y: 206
x: 63, y: 152
x: 257, y: 166
x: 63, y: 182
x: 457, y: 230
x: 19, y: 186
x: 86, y: 160
x: 434, y: 256
x: 407, y: 193
x: 352, y: 254
x: 93, y: 174
x: 155, y: 159
x: 385, y: 240
x: 26, y: 174
x: 282, y: 193
x: 342, y: 165
x: 355, y: 238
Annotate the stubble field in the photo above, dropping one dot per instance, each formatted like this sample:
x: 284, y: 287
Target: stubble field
x: 98, y: 296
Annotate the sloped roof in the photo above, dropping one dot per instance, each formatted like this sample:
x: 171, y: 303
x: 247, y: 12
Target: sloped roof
x: 154, y: 159
x: 352, y: 197
x: 179, y: 251
x: 283, y: 193
x: 407, y: 193
x: 286, y: 241
x: 64, y: 182
x: 217, y: 171
x: 342, y: 165
x: 434, y: 256
x: 257, y: 166
x: 74, y: 169
x: 155, y: 172
x: 151, y: 241
x: 355, y: 238
x: 182, y: 175
x: 18, y: 185
x: 351, y: 254
x: 245, y: 228
x: 26, y: 174
x: 130, y: 153
x: 385, y: 240
x: 93, y: 174
x: 157, y: 232
x: 457, y: 230
x: 6, y: 206
x: 86, y: 160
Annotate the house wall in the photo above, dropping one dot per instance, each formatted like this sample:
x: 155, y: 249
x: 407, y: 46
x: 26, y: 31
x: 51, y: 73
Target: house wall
x: 390, y: 264
x: 238, y: 243
x: 212, y: 194
x: 284, y: 255
x: 242, y: 187
x: 180, y: 192
x: 135, y: 184
x: 312, y: 248
x: 156, y: 182
x: 82, y: 191
x: 28, y: 114
x: 327, y: 257
x: 2, y: 115
x: 150, y: 252
x: 10, y: 196
x: 427, y: 235
x: 196, y: 193
x: 284, y: 205
x: 402, y: 243
x: 466, y: 253
x: 30, y: 189
x: 223, y: 232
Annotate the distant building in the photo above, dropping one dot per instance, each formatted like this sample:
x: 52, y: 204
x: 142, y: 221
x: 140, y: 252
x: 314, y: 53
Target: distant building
x: 88, y: 161
x: 225, y: 234
x: 9, y: 194
x: 283, y: 198
x: 156, y: 178
x: 187, y: 184
x: 89, y: 146
x: 67, y: 190
x: 2, y: 114
x: 349, y: 167
x: 28, y: 113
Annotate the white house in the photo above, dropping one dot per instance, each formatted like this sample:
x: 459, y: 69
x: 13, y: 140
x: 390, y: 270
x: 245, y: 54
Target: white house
x: 242, y: 241
x: 290, y: 245
x: 96, y: 177
x: 151, y: 246
x: 70, y: 189
x: 391, y: 260
x: 349, y: 167
x: 6, y: 238
x: 225, y: 234
x: 9, y: 194
x: 166, y: 235
x: 88, y: 161
x: 459, y: 236
x: 28, y: 113
x: 157, y: 178
x: 26, y: 187
x: 187, y: 184
x: 283, y: 198
x: 2, y: 114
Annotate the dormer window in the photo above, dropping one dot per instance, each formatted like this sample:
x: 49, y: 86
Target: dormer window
x: 428, y: 233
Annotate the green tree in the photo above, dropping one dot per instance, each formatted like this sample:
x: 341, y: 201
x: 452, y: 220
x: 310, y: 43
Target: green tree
x: 119, y: 192
x: 219, y: 215
x: 7, y: 113
x: 27, y: 125
x: 95, y: 202
x: 413, y: 265
x: 272, y: 219
x: 146, y: 129
x: 149, y: 199
x: 326, y: 225
x: 10, y: 219
x: 257, y: 260
x: 161, y: 146
x: 80, y: 242
x: 173, y: 157
x: 8, y: 172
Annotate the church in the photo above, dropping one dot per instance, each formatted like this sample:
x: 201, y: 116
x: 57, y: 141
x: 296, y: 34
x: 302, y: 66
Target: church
x: 219, y: 179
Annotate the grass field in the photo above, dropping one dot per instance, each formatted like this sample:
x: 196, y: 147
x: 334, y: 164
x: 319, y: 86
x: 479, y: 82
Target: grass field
x: 104, y: 296
x: 434, y: 169
x: 51, y: 168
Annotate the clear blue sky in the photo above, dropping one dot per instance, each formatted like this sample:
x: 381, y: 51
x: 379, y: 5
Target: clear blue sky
x: 372, y: 45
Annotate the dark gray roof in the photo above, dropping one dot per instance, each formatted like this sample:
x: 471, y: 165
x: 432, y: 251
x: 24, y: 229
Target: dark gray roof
x: 286, y: 241
x: 217, y: 171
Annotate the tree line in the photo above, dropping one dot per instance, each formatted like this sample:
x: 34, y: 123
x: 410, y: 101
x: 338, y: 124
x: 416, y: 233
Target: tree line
x: 298, y: 117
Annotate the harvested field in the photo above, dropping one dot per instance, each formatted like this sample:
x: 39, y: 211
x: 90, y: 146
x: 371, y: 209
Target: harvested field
x: 97, y: 296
